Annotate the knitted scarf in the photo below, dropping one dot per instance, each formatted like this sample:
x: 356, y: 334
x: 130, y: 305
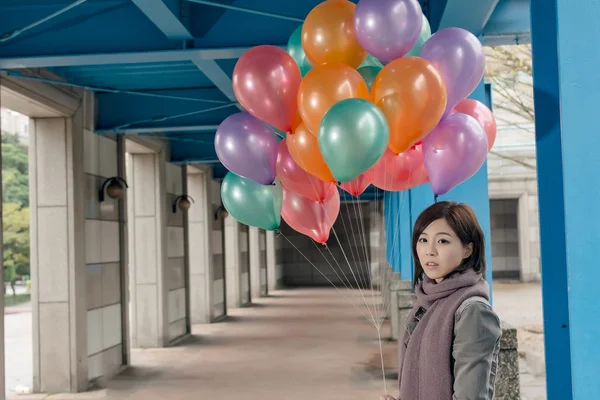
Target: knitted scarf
x: 425, y: 371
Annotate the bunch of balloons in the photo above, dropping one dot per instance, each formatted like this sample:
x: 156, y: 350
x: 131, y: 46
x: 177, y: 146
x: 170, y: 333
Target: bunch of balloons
x: 349, y: 120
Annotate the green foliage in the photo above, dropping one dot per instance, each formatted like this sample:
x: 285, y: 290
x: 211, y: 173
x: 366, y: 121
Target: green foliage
x: 15, y: 211
x: 15, y: 170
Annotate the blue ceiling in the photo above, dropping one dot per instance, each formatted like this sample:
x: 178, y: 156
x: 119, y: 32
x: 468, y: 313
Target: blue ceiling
x: 180, y: 54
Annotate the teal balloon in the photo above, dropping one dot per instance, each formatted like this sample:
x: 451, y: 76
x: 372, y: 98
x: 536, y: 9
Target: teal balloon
x: 423, y: 37
x: 252, y: 203
x: 371, y: 61
x: 353, y: 136
x: 369, y: 73
x: 295, y: 49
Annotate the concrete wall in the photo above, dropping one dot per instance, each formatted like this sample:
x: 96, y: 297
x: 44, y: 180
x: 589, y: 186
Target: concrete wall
x: 244, y: 264
x: 175, y: 272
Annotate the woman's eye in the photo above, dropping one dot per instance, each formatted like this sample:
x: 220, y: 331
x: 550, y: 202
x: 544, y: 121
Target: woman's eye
x: 422, y: 240
x: 443, y: 241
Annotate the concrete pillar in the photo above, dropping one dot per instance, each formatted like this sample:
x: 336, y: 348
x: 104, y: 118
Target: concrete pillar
x: 2, y: 358
x: 232, y: 262
x: 200, y: 239
x: 271, y: 261
x: 147, y: 255
x: 176, y: 274
x: 58, y: 254
x: 262, y: 246
x: 255, y: 262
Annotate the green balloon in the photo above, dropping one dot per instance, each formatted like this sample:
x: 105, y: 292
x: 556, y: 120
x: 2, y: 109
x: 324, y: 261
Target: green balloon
x: 353, y: 136
x: 423, y: 37
x: 369, y: 73
x: 371, y: 61
x: 252, y: 203
x: 295, y: 49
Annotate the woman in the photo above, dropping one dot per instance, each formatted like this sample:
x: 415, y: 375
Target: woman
x: 452, y: 338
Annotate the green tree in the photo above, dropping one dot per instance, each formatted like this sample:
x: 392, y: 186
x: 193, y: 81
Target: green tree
x: 15, y: 170
x: 16, y: 240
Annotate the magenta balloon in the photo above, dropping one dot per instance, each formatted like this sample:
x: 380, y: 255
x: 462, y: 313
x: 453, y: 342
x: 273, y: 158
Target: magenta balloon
x: 459, y: 57
x: 388, y: 29
x: 454, y: 151
x: 247, y: 147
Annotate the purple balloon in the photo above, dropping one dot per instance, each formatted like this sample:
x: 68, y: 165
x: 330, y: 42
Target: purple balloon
x: 388, y: 29
x: 248, y: 147
x: 458, y: 55
x: 454, y: 151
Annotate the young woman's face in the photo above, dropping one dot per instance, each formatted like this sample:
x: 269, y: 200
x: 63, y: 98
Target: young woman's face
x: 440, y: 251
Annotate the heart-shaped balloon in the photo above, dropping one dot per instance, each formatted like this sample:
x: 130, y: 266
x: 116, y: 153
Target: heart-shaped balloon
x: 454, y: 151
x: 356, y: 186
x: 252, y: 203
x: 296, y: 179
x: 352, y: 137
x: 395, y: 172
x: 247, y: 147
x: 311, y: 218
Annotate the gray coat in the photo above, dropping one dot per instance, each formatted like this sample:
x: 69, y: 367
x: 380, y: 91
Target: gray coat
x: 475, y: 349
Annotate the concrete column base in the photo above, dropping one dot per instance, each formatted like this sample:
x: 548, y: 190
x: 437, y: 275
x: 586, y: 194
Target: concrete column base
x: 507, y: 380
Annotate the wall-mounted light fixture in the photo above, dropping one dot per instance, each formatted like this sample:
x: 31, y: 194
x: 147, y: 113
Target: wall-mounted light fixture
x: 183, y: 202
x: 221, y: 212
x: 115, y: 188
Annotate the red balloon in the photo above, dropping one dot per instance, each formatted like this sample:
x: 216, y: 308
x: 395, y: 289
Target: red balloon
x: 356, y: 186
x: 482, y: 114
x: 311, y: 218
x: 266, y: 80
x: 294, y: 178
x: 395, y: 172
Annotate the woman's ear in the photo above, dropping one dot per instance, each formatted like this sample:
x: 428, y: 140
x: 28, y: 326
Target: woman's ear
x: 468, y: 251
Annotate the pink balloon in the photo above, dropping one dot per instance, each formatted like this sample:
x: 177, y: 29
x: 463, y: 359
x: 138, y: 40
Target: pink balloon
x: 395, y: 172
x: 311, y: 218
x: 296, y: 179
x: 454, y: 151
x: 482, y: 114
x: 266, y: 80
x: 356, y: 186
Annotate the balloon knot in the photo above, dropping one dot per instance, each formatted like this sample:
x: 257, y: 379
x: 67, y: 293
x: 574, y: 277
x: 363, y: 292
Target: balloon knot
x: 289, y: 132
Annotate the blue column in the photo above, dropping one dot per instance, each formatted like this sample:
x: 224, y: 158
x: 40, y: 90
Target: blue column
x: 566, y: 87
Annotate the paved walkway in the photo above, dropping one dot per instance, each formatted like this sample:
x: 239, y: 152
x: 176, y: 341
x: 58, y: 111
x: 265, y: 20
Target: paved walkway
x: 298, y: 344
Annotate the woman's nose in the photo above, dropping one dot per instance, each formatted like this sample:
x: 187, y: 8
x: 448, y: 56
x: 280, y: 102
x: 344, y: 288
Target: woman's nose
x: 431, y: 250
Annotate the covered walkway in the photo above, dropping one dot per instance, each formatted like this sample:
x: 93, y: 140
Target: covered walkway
x: 294, y: 345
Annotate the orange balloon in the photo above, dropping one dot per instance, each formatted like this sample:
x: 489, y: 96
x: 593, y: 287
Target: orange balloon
x: 324, y: 86
x: 296, y: 121
x: 304, y: 148
x: 328, y: 34
x: 412, y: 95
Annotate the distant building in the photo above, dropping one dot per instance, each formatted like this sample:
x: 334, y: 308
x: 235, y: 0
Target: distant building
x: 513, y: 189
x: 13, y: 122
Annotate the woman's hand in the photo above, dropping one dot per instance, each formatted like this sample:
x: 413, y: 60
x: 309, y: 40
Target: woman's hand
x: 386, y: 397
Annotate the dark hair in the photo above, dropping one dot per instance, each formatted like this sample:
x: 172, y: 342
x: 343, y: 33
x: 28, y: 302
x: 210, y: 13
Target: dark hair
x: 463, y: 221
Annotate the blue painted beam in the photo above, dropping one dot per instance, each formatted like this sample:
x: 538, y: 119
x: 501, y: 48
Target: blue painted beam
x: 221, y: 80
x: 165, y: 20
x: 116, y: 110
x: 467, y: 14
x: 65, y: 60
x: 566, y: 83
x: 163, y: 129
x: 510, y: 16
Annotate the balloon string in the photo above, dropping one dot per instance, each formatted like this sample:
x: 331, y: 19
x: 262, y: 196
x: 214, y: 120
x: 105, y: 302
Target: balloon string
x: 435, y: 198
